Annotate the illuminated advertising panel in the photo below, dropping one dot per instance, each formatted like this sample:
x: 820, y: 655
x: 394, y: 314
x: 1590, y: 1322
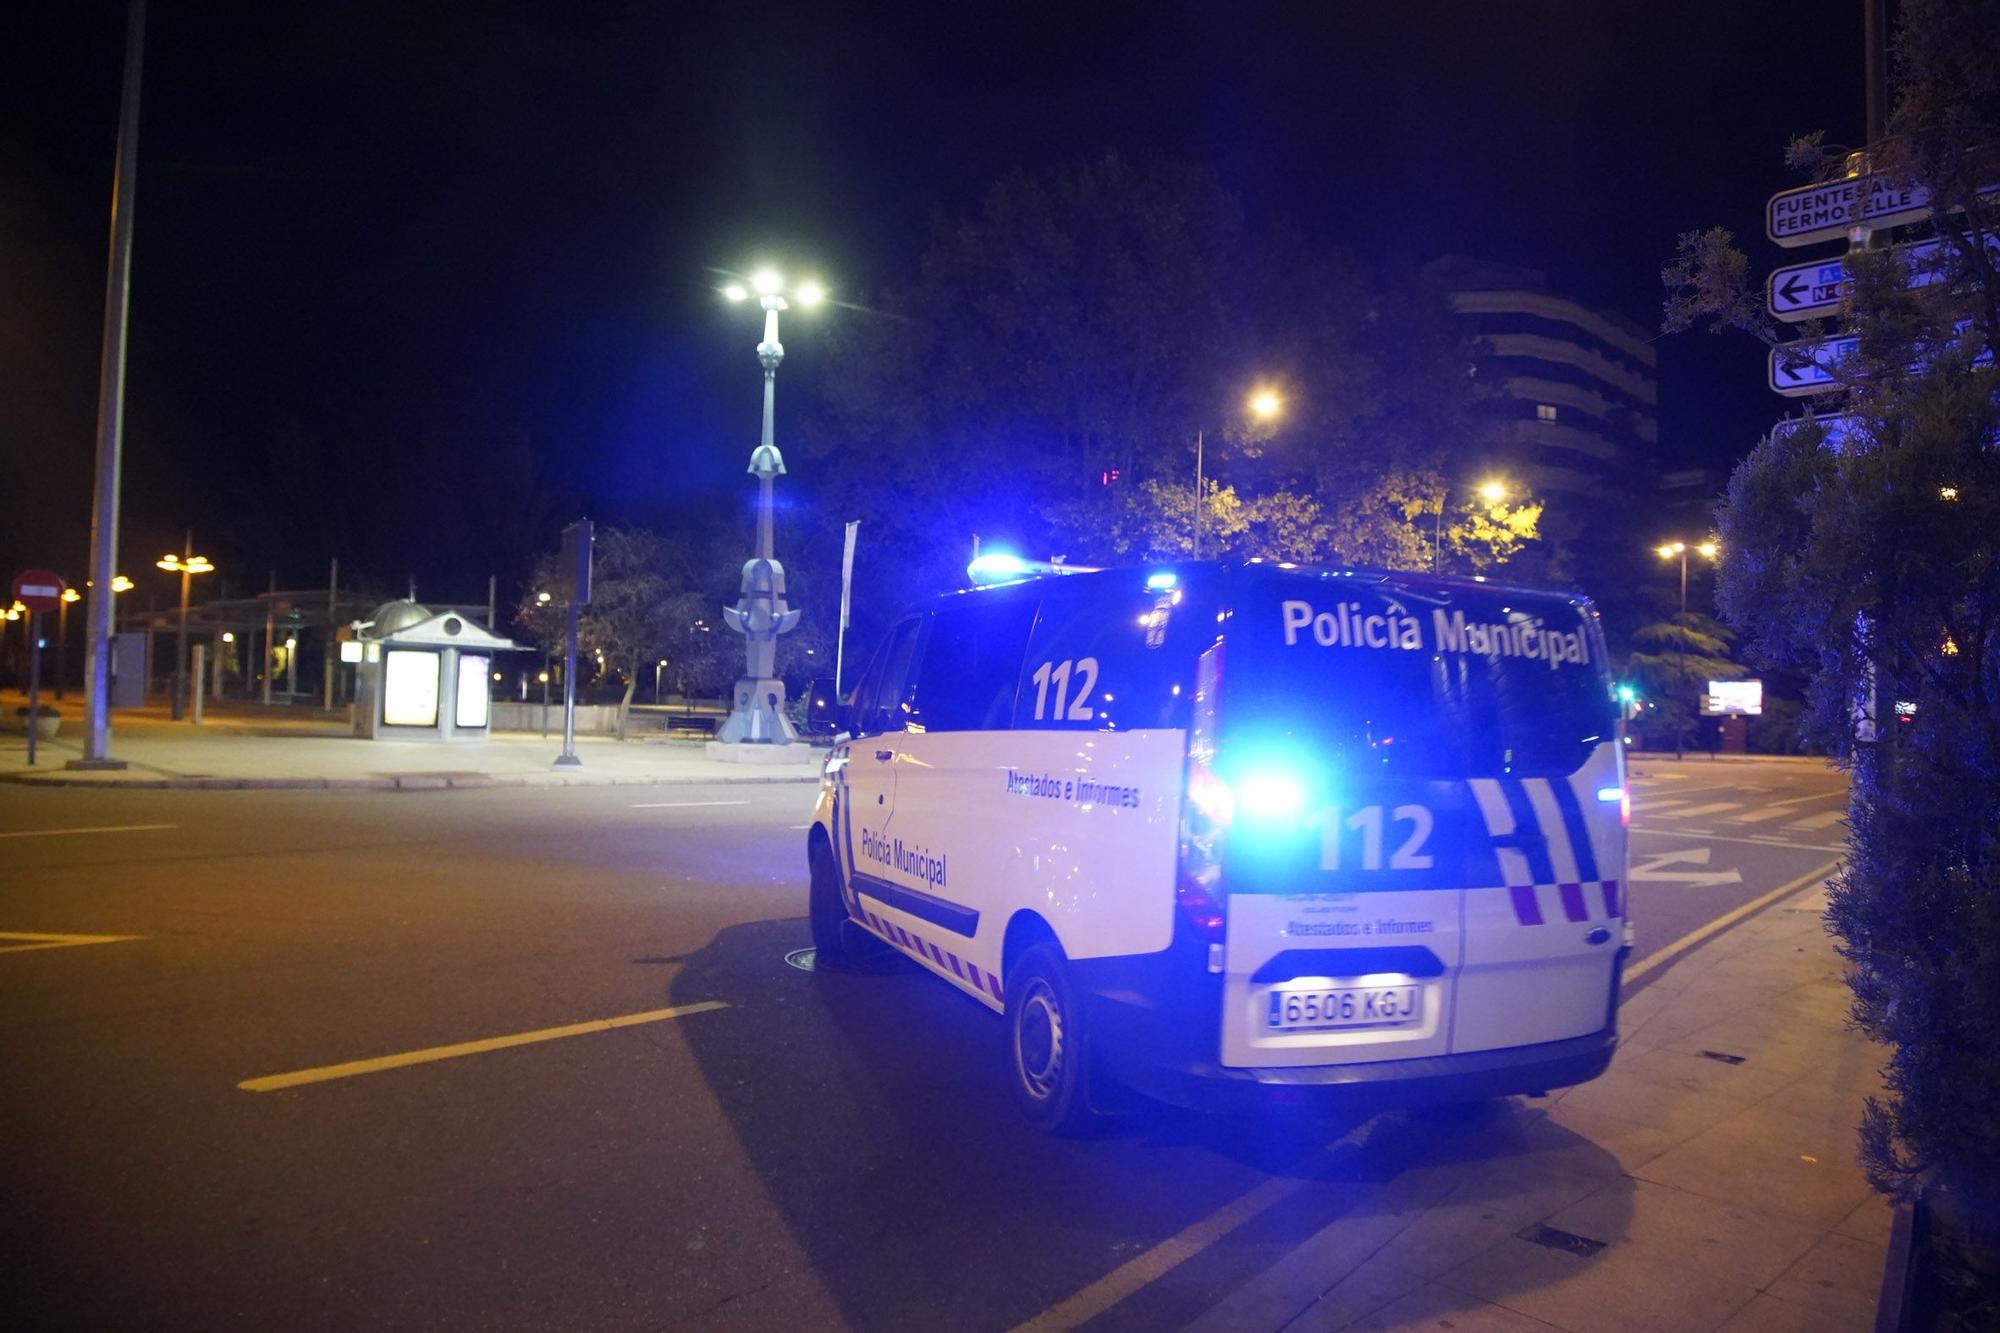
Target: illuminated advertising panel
x: 410, y: 688
x: 471, y: 709
x: 1734, y: 697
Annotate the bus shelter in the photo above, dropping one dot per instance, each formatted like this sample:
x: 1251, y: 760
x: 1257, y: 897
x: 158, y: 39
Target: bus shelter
x: 422, y: 675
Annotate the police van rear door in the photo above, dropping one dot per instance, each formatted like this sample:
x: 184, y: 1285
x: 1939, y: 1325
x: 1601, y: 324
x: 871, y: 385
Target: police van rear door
x: 1417, y: 861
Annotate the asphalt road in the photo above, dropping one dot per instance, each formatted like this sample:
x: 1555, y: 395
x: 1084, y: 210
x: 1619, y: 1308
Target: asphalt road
x: 752, y: 1144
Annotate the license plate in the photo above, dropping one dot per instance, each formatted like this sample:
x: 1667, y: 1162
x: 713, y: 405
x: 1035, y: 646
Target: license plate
x: 1343, y: 1007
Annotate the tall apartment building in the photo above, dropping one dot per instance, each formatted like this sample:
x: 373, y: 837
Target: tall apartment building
x: 1574, y: 411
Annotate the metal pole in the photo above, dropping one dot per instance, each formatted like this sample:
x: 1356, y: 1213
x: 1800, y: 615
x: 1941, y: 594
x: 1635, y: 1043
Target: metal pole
x: 568, y: 759
x: 270, y: 639
x: 179, y: 705
x: 1197, y: 493
x: 327, y: 657
x: 200, y: 665
x: 492, y: 604
x: 1875, y: 38
x: 62, y: 644
x: 99, y: 626
x: 545, y: 695
x: 34, y: 684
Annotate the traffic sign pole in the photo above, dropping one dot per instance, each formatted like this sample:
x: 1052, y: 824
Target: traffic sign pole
x: 34, y: 682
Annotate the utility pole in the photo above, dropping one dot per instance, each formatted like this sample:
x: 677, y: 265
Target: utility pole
x: 100, y: 625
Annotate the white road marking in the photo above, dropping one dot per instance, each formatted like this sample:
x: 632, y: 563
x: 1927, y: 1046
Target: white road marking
x: 680, y: 805
x: 1714, y: 808
x: 1653, y: 870
x: 100, y: 828
x: 1825, y: 819
x: 1717, y: 837
x: 1760, y: 816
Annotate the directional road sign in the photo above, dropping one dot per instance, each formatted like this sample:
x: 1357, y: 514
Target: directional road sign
x: 1823, y: 212
x: 1809, y: 291
x: 1801, y: 369
x: 40, y: 590
x: 1839, y: 429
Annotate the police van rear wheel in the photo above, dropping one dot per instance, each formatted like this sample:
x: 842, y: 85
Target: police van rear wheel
x: 835, y: 938
x: 1047, y: 1043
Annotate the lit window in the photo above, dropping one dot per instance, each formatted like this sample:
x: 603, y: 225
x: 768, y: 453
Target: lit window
x: 1545, y: 412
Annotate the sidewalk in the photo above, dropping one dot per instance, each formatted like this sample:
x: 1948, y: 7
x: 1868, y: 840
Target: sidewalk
x: 244, y: 746
x: 1708, y: 1181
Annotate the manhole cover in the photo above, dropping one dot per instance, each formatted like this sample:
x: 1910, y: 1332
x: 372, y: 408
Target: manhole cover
x: 805, y: 960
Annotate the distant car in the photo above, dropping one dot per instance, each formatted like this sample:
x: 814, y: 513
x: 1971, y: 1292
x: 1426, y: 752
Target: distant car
x: 1211, y: 830
x: 822, y: 708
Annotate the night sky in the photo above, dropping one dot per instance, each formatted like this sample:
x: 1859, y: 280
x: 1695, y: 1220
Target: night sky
x: 393, y: 258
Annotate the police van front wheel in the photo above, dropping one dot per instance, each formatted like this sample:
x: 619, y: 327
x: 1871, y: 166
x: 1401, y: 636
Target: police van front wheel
x: 1047, y: 1043
x: 836, y: 938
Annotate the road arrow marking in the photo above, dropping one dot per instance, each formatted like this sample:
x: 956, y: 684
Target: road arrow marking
x: 1654, y: 869
x: 31, y: 940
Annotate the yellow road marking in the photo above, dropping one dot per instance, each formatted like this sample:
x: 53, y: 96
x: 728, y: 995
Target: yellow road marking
x: 1724, y: 922
x: 1149, y: 1265
x: 31, y: 940
x: 327, y: 1073
x: 102, y: 828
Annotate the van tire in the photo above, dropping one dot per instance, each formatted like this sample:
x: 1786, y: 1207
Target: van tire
x: 1048, y: 1043
x: 835, y: 936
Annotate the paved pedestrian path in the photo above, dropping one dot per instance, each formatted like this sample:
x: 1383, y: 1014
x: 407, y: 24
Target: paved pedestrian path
x: 247, y: 746
x: 1706, y: 1182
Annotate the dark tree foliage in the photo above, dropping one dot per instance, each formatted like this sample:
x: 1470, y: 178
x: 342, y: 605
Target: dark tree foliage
x: 1042, y: 381
x: 1868, y: 564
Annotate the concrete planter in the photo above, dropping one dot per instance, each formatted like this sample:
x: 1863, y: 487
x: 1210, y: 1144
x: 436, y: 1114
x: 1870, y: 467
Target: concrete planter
x: 47, y: 722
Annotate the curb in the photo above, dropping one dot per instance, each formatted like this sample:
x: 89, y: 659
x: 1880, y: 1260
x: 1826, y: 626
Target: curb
x: 408, y: 782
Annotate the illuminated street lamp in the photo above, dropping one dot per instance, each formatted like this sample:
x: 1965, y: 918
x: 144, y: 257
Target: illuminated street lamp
x: 187, y: 565
x: 1670, y: 550
x: 757, y: 713
x: 1264, y: 405
x: 1493, y: 491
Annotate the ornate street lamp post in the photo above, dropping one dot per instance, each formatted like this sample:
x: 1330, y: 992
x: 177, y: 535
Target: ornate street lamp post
x: 757, y: 708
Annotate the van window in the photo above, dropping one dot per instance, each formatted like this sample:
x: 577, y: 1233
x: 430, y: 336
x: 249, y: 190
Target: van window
x: 972, y: 663
x: 1111, y: 654
x: 1417, y: 681
x: 881, y: 701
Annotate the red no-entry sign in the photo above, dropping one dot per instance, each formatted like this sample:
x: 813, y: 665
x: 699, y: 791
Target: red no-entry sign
x: 40, y: 590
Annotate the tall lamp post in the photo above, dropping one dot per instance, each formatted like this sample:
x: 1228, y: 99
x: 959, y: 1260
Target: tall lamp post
x: 757, y: 709
x: 1264, y: 405
x: 1670, y: 551
x: 1492, y: 492
x: 62, y: 638
x: 187, y: 565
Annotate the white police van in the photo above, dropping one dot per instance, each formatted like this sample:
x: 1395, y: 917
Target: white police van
x: 1210, y: 829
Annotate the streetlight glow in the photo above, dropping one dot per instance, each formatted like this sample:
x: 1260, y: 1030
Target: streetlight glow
x: 735, y: 292
x: 1708, y: 549
x: 1265, y: 404
x: 766, y: 282
x: 810, y: 293
x: 1493, y: 492
x: 1670, y: 550
x: 1947, y: 492
x: 71, y: 595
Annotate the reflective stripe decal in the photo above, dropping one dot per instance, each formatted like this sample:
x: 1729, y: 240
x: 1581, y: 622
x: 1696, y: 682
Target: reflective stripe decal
x: 1579, y: 832
x: 929, y: 954
x: 1572, y: 900
x: 1610, y: 887
x: 1526, y: 910
x: 1534, y: 845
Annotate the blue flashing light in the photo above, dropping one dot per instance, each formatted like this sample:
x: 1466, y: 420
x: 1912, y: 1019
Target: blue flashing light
x: 1268, y: 795
x: 1610, y: 794
x: 1626, y: 694
x: 997, y: 567
x: 1162, y: 579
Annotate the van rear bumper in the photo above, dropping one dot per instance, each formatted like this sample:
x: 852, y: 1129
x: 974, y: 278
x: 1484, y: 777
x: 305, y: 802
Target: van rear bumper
x: 1165, y: 1048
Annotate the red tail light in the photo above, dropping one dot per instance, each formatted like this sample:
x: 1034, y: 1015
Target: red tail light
x: 1206, y: 809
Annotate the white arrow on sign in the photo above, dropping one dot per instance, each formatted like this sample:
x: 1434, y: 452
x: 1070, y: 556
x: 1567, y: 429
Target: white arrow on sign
x: 1802, y: 368
x: 1654, y: 871
x: 1807, y: 291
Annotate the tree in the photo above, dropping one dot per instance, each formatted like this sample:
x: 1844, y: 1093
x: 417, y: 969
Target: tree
x: 1672, y: 663
x: 1044, y: 377
x: 650, y: 596
x: 1868, y: 564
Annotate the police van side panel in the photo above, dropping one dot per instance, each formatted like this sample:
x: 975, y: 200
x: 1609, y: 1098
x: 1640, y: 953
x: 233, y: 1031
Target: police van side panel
x: 1007, y: 790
